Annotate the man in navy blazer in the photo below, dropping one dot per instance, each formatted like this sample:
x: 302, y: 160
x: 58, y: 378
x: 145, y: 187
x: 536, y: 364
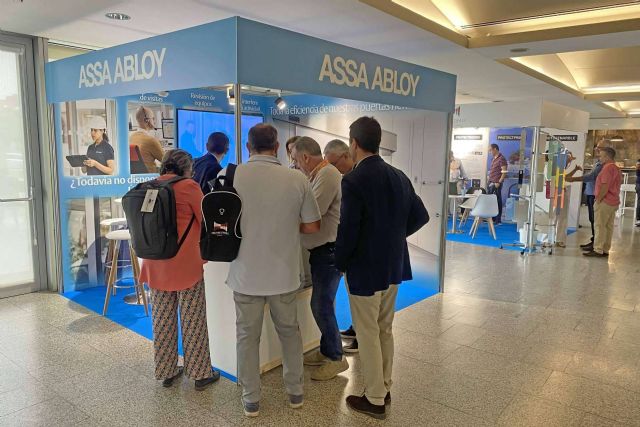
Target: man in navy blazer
x: 207, y: 167
x: 379, y: 210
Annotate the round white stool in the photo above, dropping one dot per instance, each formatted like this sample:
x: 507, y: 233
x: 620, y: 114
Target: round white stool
x: 116, y: 238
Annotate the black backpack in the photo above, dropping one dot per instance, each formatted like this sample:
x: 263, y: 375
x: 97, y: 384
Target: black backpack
x: 220, y: 235
x: 154, y: 229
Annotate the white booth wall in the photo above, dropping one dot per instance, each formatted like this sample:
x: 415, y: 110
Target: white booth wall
x: 421, y: 138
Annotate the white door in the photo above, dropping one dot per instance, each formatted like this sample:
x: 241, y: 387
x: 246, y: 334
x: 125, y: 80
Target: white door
x: 433, y: 184
x: 19, y: 271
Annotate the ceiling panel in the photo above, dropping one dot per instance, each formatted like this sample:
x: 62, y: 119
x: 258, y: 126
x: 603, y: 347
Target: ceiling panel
x: 488, y: 12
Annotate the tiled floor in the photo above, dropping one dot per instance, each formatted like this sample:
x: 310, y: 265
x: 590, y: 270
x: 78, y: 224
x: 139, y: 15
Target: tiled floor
x: 541, y: 341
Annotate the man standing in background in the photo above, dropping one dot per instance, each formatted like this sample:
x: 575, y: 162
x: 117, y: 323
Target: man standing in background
x: 497, y: 174
x: 325, y: 183
x: 207, y: 167
x: 606, y: 204
x: 379, y: 210
x: 590, y: 191
x: 337, y: 153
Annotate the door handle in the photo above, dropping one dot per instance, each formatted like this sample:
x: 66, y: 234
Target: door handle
x: 21, y: 199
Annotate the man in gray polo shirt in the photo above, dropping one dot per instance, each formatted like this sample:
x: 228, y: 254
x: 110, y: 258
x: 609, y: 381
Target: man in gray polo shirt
x: 325, y: 183
x: 277, y: 205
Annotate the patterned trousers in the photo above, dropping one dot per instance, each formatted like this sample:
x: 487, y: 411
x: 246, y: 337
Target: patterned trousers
x: 195, y: 336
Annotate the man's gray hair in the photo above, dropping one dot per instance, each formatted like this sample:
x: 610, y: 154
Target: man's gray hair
x: 610, y: 152
x: 308, y: 145
x: 336, y: 146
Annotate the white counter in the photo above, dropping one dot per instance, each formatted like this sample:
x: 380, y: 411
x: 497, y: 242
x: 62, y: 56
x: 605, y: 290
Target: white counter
x: 221, y: 321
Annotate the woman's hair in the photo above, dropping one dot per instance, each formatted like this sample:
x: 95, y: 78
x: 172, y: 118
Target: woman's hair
x: 176, y: 162
x: 290, y: 142
x: 105, y: 137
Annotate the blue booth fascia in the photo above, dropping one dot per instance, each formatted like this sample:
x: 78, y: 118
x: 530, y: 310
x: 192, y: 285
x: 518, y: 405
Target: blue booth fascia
x: 238, y: 50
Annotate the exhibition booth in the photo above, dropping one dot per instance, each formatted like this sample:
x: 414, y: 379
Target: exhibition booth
x: 173, y: 90
x: 524, y: 132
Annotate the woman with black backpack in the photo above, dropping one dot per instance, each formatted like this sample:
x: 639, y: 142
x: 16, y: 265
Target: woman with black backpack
x: 178, y: 282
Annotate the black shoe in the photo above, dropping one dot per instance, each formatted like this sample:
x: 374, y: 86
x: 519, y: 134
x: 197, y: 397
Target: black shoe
x: 169, y: 381
x: 587, y: 245
x: 594, y: 254
x: 361, y: 404
x: 351, y: 348
x: 387, y: 399
x: 587, y: 248
x: 204, y: 383
x: 348, y: 334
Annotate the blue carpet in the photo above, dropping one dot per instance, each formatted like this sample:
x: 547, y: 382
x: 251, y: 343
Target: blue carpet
x: 506, y: 233
x: 424, y: 285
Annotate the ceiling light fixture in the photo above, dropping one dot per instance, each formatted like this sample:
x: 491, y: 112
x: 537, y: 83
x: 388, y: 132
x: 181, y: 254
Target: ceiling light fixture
x: 616, y: 139
x: 612, y: 89
x: 280, y: 103
x: 118, y: 16
x: 634, y: 112
x: 519, y: 50
x: 230, y: 96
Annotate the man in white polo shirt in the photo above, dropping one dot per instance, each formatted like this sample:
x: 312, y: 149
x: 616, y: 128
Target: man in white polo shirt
x: 325, y: 183
x: 277, y: 205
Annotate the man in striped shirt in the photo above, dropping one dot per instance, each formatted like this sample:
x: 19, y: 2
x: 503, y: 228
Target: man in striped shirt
x: 497, y: 174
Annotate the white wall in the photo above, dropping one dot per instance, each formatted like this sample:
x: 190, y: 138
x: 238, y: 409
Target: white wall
x: 473, y: 152
x: 421, y: 155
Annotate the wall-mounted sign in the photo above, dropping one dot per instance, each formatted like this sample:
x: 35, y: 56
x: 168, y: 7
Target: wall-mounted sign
x: 467, y: 137
x: 563, y: 138
x: 508, y: 137
x: 341, y: 71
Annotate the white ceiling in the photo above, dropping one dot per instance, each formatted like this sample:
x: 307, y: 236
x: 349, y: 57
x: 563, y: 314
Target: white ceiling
x: 349, y: 22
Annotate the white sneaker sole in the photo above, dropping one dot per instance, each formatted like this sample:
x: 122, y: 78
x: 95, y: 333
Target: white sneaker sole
x: 295, y: 405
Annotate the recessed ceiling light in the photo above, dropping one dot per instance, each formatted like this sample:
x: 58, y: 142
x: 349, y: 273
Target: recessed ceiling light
x: 498, y: 100
x: 612, y: 89
x: 519, y: 50
x: 118, y: 16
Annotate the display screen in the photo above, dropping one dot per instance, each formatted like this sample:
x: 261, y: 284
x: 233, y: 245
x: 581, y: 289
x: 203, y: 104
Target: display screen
x: 194, y: 128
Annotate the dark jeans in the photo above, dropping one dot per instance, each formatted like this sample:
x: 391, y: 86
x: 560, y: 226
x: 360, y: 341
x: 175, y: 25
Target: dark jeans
x: 591, y: 200
x: 498, y: 192
x: 638, y: 207
x: 325, y: 278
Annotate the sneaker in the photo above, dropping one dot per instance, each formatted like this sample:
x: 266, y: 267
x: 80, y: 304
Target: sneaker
x: 638, y: 223
x: 315, y: 358
x: 560, y: 245
x: 594, y: 254
x: 588, y: 248
x: 351, y: 348
x: 587, y: 245
x: 206, y: 382
x: 251, y: 409
x: 361, y: 404
x: 168, y: 382
x: 330, y: 370
x: 348, y: 334
x: 296, y: 402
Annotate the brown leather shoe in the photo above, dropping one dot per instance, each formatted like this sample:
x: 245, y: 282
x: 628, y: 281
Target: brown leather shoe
x: 361, y: 404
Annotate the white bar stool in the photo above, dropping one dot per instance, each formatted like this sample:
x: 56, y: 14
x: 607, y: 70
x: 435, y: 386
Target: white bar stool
x: 113, y: 224
x: 117, y: 238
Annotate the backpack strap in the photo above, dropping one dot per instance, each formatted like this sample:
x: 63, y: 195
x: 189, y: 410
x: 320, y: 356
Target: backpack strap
x: 186, y: 232
x: 228, y: 177
x: 230, y: 174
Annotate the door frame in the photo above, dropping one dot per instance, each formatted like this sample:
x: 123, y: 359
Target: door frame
x: 33, y: 153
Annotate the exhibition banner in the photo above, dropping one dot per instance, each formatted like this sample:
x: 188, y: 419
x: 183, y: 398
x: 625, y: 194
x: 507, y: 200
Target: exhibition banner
x: 138, y: 130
